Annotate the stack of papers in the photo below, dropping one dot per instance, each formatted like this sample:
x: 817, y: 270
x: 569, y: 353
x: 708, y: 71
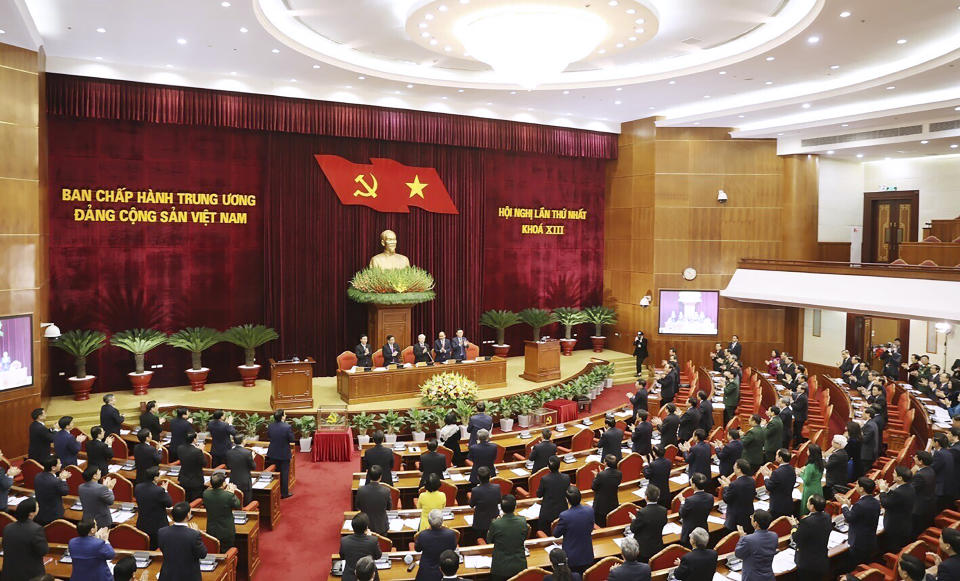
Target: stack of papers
x: 672, y: 528
x: 259, y: 450
x: 15, y: 500
x: 411, y: 523
x: 468, y: 518
x: 532, y: 511
x: 681, y: 479
x: 714, y: 519
x: 783, y: 561
x: 457, y: 477
x: 836, y: 539
x: 121, y: 516
x: 641, y: 492
x: 477, y: 561
x: 519, y: 471
x: 552, y: 547
x: 113, y: 468
x: 593, y: 458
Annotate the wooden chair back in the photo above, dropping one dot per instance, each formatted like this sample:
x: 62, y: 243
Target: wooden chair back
x: 622, y: 515
x: 176, y: 492
x: 585, y: 474
x: 447, y: 453
x: 631, y: 466
x: 123, y: 489
x: 781, y: 526
x: 394, y: 497
x: 727, y: 544
x: 534, y: 481
x: 449, y: 490
x: 530, y: 573
x: 75, y: 479
x: 407, y: 356
x: 60, y: 531
x: 346, y: 360
x: 665, y: 558
x: 386, y: 545
x: 120, y: 449
x: 582, y: 440
x: 29, y: 469
x: 210, y: 542
x: 377, y: 358
x: 129, y: 538
x: 506, y: 486
x: 601, y: 569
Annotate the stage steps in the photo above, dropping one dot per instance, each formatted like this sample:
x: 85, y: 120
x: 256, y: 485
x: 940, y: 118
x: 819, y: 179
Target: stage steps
x: 625, y: 366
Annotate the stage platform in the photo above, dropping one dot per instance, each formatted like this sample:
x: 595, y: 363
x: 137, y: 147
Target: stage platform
x: 232, y: 395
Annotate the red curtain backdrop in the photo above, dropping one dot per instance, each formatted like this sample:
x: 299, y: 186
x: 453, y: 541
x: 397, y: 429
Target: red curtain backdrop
x: 290, y: 265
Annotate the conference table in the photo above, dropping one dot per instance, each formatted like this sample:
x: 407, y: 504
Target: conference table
x: 356, y: 385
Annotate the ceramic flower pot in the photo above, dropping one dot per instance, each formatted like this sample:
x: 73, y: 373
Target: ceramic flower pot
x: 501, y: 350
x: 198, y: 378
x: 249, y: 374
x: 140, y: 382
x: 598, y: 343
x: 566, y: 346
x: 81, y: 387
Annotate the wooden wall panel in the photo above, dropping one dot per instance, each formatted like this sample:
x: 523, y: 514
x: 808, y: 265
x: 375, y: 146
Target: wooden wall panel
x: 23, y: 227
x: 834, y: 251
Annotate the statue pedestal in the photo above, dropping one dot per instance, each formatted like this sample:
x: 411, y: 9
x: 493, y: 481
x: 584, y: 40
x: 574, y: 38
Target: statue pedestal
x: 383, y: 320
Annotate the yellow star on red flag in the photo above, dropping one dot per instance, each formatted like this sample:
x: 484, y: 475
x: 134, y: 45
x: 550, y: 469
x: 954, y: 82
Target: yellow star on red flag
x: 416, y: 188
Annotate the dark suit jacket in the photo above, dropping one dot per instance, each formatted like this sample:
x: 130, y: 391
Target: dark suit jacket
x: 421, y: 354
x: 221, y: 436
x: 5, y: 483
x: 152, y: 504
x: 924, y: 482
x: 220, y: 505
x: 629, y: 571
x: 240, y: 462
x: 811, y: 537
x: 553, y: 500
x: 110, y: 419
x: 24, y: 546
x: 693, y: 514
x: 757, y: 551
x: 96, y: 500
x: 786, y: 416
x: 150, y: 421
x: 507, y: 534
x: 780, y: 486
x: 191, y: 466
x: 639, y: 400
x: 944, y: 469
x: 949, y: 569
x: 352, y: 548
x: 182, y: 550
x: 373, y: 499
x: 484, y: 454
x: 800, y: 406
x: 697, y: 565
x: 364, y: 355
x: 49, y: 491
x: 689, y: 421
x: 485, y: 500
x: 476, y: 423
x: 836, y: 468
x: 739, y: 498
x: 431, y: 543
x: 641, y: 436
x: 41, y: 437
x: 668, y: 388
x: 431, y: 463
x: 728, y: 456
x: 145, y: 456
x: 391, y: 354
x: 658, y: 472
x: 898, y: 505
x: 863, y: 518
x: 606, y: 485
x: 178, y: 434
x: 610, y: 442
x: 383, y: 457
x: 89, y: 557
x: 698, y: 459
x: 870, y: 446
x: 66, y: 447
x: 459, y: 347
x: 442, y: 350
x: 647, y: 529
x: 846, y: 365
x: 281, y: 436
x: 736, y: 349
x: 99, y: 454
x: 640, y: 348
x: 668, y: 429
x: 575, y: 526
x: 706, y: 415
x: 540, y: 453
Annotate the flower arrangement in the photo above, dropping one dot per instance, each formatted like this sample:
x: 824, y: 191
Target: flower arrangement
x: 445, y: 389
x: 399, y: 286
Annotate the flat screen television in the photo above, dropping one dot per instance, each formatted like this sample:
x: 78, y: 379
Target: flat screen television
x: 689, y: 312
x: 16, y: 351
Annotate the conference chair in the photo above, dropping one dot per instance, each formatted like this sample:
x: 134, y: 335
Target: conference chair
x: 346, y: 360
x: 5, y: 519
x: 449, y: 490
x: 678, y: 499
x: 129, y: 538
x: 666, y: 557
x: 377, y: 358
x: 210, y: 542
x: 585, y: 474
x: 622, y: 515
x: 582, y: 440
x: 406, y: 356
x: 78, y: 432
x: 386, y: 545
x: 781, y: 526
x: 533, y: 483
x: 727, y: 544
x: 60, y: 531
x: 473, y: 352
x: 891, y: 561
x: 527, y: 449
x: 75, y: 478
x: 120, y: 449
x: 29, y: 469
x: 123, y: 489
x: 631, y: 466
x: 530, y: 574
x: 394, y: 496
x: 506, y: 487
x: 671, y: 452
x: 176, y: 492
x: 600, y: 570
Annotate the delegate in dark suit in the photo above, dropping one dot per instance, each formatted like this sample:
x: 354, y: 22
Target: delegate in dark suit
x: 150, y: 421
x: 49, y: 490
x: 639, y: 400
x: 89, y: 556
x: 178, y: 435
x: 924, y: 483
x: 641, y: 438
x: 689, y: 421
x: 182, y: 550
x: 610, y: 442
x: 441, y: 350
x: 869, y: 447
x: 240, y: 462
x: 640, y: 351
x: 540, y: 453
x: 41, y: 437
x: 647, y: 530
x: 459, y: 348
x: 353, y: 548
x: 739, y: 498
x: 430, y: 543
x: 391, y: 354
x: 278, y: 453
x: 949, y: 569
x: 780, y: 486
x: 485, y: 500
x: 66, y: 447
x: 698, y: 459
x: 697, y: 565
x: 482, y: 454
x: 380, y: 455
x: 728, y: 456
x: 364, y: 355
x: 606, y: 485
x: 6, y: 482
x: 898, y: 504
x: 506, y: 534
x: 191, y: 471
x: 220, y: 504
x: 944, y: 469
x: 836, y: 472
x: 658, y: 472
x: 110, y: 419
x: 863, y: 518
x: 145, y: 456
x: 431, y: 463
x: 421, y: 354
x: 706, y: 415
x: 693, y: 514
x: 800, y: 410
x: 221, y: 435
x: 553, y: 501
x: 24, y: 546
x: 668, y: 388
x: 373, y: 499
x: 736, y: 349
x: 757, y: 551
x: 786, y: 417
x: 99, y: 455
x: 152, y: 504
x: 575, y: 525
x: 811, y: 536
x: 96, y: 500
x: 476, y: 423
x: 629, y: 571
x: 668, y: 429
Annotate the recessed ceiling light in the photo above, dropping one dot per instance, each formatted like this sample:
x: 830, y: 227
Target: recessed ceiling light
x: 99, y: 58
x: 293, y: 80
x: 602, y: 51
x: 844, y: 125
x: 722, y: 73
x: 489, y: 104
x: 225, y: 4
x: 101, y: 30
x: 442, y: 8
x: 741, y: 116
x: 631, y: 11
x: 361, y: 78
x: 169, y: 66
x: 434, y: 42
x: 513, y: 92
x: 639, y: 21
x: 671, y: 82
x: 424, y: 25
x: 462, y: 2
x: 845, y: 14
x: 697, y: 123
x: 924, y: 142
x: 954, y: 146
x: 859, y: 155
x: 706, y: 96
x: 348, y: 86
x: 619, y: 88
x: 834, y: 67
x: 396, y: 92
x: 779, y: 133
x: 632, y: 38
x: 768, y: 83
x: 566, y: 92
x: 448, y: 48
x: 316, y: 66
x: 444, y: 98
x: 619, y: 45
x: 409, y: 86
x: 613, y: 2
x: 428, y: 16
x: 771, y: 58
x: 956, y: 108
x: 806, y: 105
x: 886, y: 159
x: 638, y: 30
x: 829, y: 152
x: 813, y: 39
x: 425, y: 34
x: 181, y: 41
x: 275, y: 51
x: 617, y: 102
x: 2, y: 31
x: 244, y: 29
x: 651, y: 107
x: 891, y: 87
x: 902, y: 41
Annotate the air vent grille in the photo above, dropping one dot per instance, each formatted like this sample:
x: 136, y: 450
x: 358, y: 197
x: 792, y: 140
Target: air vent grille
x: 862, y: 136
x: 945, y: 126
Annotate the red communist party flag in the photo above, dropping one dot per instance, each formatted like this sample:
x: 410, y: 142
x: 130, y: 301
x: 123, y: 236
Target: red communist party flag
x: 386, y: 185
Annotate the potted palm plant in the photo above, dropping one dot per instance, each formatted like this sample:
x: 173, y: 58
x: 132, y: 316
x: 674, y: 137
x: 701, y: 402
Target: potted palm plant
x: 248, y: 337
x: 392, y: 423
x: 139, y: 342
x: 80, y: 344
x: 524, y: 406
x: 599, y: 316
x: 537, y: 319
x: 196, y: 340
x: 499, y: 320
x: 418, y: 419
x: 303, y: 427
x: 363, y: 423
x: 569, y: 317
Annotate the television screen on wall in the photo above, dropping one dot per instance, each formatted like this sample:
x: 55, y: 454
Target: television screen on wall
x: 16, y: 351
x: 689, y: 312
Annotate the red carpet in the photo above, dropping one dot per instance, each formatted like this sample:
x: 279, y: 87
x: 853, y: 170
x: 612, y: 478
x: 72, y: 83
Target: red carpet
x: 309, y: 528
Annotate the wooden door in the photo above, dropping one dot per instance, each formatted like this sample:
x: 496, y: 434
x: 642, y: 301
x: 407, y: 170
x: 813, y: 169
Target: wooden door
x: 890, y: 218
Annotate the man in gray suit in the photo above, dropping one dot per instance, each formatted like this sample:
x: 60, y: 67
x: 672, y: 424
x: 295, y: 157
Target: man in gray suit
x: 96, y: 498
x: 479, y: 421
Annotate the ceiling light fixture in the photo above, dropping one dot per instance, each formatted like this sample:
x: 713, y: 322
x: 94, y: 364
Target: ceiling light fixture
x: 813, y: 39
x: 845, y: 14
x: 954, y: 146
x: 275, y: 51
x: 233, y: 73
x: 181, y: 41
x: 462, y: 2
x: 722, y: 73
x: 671, y: 82
x: 244, y: 29
x: 771, y: 58
x: 2, y: 31
x: 741, y: 116
x: 768, y: 83
x: 99, y: 58
x: 924, y: 142
x: 706, y: 96
x: 169, y: 66
x: 528, y: 44
x: 834, y: 67
x: 859, y: 155
x: 891, y: 87
x: 409, y: 86
x: 101, y: 30
x: 806, y: 105
x: 316, y: 66
x: 225, y: 4
x: 428, y: 16
x: 566, y: 92
x: 631, y: 11
x: 902, y: 41
x: 361, y: 78
x: 844, y: 125
x: 829, y: 152
x: 617, y: 102
x: 619, y: 88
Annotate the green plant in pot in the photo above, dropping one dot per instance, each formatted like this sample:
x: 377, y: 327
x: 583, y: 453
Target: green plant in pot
x: 248, y: 337
x: 392, y: 423
x: 303, y: 428
x: 139, y: 342
x: 499, y: 321
x: 569, y: 317
x: 196, y: 340
x: 506, y: 410
x: 537, y: 319
x: 81, y: 344
x: 599, y: 316
x: 200, y: 419
x: 362, y: 423
x: 251, y: 425
x: 524, y: 404
x: 419, y: 420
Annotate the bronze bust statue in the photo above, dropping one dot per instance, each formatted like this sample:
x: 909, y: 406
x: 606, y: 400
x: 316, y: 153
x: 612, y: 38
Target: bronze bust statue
x: 389, y: 259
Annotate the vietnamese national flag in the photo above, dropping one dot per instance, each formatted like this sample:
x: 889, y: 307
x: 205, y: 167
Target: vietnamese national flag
x: 386, y: 185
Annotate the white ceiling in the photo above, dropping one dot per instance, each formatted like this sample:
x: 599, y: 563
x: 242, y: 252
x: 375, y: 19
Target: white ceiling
x: 760, y: 91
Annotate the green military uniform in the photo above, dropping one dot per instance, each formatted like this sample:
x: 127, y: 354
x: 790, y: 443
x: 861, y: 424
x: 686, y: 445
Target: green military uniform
x: 507, y: 534
x: 774, y: 438
x: 731, y: 399
x: 753, y: 446
x: 220, y: 505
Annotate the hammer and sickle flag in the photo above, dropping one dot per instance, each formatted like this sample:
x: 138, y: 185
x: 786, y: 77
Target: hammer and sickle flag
x: 386, y: 185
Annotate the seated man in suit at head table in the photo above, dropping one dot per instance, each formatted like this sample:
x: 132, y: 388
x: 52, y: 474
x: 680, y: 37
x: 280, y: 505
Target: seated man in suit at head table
x: 421, y: 350
x: 391, y: 353
x: 364, y: 353
x: 460, y: 345
x: 442, y: 348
